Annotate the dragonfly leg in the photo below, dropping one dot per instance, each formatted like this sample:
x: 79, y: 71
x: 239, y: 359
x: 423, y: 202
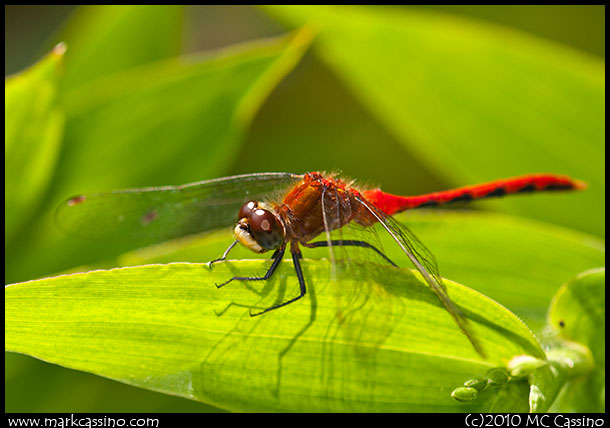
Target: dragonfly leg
x: 224, y: 255
x: 277, y: 258
x: 349, y: 242
x: 296, y: 258
x: 279, y: 251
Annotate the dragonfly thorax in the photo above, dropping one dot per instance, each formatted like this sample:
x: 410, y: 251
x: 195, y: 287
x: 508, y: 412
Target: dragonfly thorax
x: 258, y: 228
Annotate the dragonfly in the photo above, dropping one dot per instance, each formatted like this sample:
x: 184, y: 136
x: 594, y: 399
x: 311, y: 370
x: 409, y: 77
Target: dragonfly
x: 274, y: 211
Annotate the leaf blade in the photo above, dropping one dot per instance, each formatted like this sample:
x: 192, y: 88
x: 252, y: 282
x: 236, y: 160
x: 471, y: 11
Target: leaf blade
x: 157, y: 327
x: 34, y: 126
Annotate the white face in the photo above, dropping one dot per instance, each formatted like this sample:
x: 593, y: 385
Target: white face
x: 245, y: 237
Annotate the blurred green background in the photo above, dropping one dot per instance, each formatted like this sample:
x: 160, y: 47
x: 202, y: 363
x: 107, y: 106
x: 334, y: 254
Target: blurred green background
x: 415, y: 99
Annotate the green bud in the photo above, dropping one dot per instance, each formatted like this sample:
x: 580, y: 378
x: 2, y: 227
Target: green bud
x: 497, y: 376
x: 464, y: 394
x: 479, y: 383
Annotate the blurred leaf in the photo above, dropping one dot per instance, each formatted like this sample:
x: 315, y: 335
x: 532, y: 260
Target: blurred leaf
x: 33, y: 128
x: 175, y: 120
x: 578, y: 315
x: 578, y: 312
x: 376, y: 339
x: 105, y: 39
x: 171, y: 121
x: 474, y: 100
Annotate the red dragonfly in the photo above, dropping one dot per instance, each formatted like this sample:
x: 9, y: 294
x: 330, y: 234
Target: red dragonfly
x: 309, y: 205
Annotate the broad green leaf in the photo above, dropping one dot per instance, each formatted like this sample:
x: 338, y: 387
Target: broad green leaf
x: 180, y: 119
x: 33, y: 128
x: 578, y: 316
x: 374, y: 339
x: 473, y: 100
x: 105, y: 39
x: 518, y: 262
x: 173, y: 121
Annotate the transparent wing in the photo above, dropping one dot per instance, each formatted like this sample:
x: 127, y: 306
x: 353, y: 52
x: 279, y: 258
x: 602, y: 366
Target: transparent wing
x: 425, y: 263
x: 151, y: 215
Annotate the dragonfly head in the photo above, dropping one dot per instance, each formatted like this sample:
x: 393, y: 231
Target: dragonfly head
x: 258, y: 228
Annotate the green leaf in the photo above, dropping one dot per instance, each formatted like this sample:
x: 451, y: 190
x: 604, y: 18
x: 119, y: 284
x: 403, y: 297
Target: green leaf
x: 578, y: 311
x: 105, y: 39
x: 473, y: 100
x: 577, y: 315
x: 374, y: 339
x: 182, y: 119
x: 33, y: 128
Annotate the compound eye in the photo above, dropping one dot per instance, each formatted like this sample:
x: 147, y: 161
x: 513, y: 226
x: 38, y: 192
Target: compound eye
x: 247, y: 209
x: 266, y: 229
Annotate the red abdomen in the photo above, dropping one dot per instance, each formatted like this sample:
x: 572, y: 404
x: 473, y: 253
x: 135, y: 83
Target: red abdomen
x: 391, y: 204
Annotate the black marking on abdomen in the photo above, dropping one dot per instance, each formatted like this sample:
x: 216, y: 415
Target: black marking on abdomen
x: 465, y: 197
x: 558, y: 186
x: 526, y: 189
x: 428, y: 204
x: 500, y: 191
